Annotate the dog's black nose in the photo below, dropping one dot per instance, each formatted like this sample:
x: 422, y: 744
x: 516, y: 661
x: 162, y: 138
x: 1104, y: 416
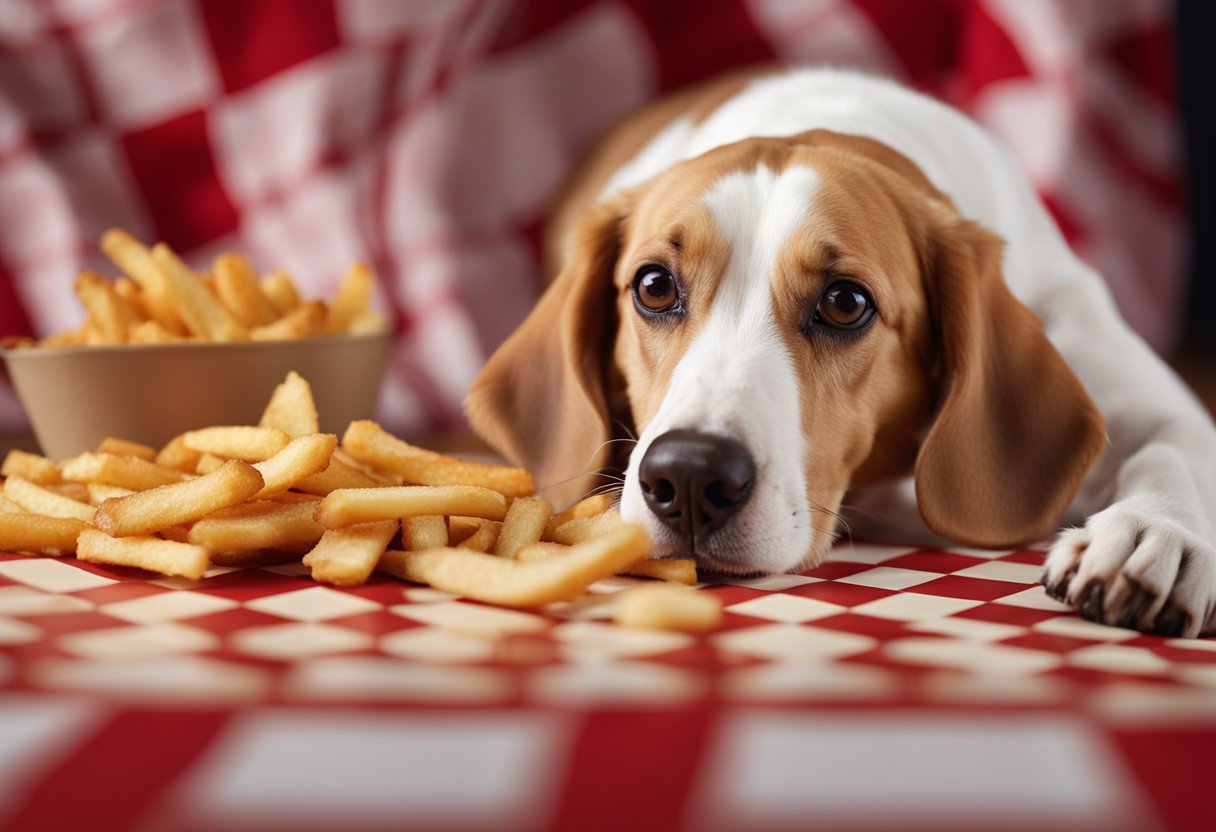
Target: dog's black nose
x: 694, y: 482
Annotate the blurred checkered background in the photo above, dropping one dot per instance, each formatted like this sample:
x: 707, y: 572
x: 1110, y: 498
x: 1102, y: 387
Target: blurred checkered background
x: 427, y: 138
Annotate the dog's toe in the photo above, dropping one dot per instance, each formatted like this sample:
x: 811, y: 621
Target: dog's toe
x: 1132, y: 570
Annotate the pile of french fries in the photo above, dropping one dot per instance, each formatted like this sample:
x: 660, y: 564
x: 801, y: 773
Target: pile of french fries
x: 281, y: 490
x: 158, y: 299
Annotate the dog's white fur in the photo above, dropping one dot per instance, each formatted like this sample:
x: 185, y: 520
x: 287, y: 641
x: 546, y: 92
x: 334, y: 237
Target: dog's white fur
x: 1142, y: 553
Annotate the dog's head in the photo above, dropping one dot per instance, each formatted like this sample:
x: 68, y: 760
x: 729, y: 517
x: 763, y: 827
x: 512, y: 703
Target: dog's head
x: 781, y: 320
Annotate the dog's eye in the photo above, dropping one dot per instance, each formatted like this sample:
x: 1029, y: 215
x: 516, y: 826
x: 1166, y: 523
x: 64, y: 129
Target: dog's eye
x: 844, y: 305
x: 655, y: 289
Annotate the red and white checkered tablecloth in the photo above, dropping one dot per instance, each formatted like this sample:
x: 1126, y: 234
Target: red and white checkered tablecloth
x: 886, y: 689
x: 428, y: 137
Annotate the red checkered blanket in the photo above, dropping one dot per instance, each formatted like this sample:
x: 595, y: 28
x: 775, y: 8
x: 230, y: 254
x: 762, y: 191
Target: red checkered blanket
x: 428, y: 137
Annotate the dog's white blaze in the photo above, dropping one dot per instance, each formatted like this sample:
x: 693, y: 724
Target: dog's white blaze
x: 738, y: 378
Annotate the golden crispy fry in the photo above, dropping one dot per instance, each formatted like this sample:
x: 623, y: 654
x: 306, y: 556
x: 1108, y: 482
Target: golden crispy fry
x: 461, y: 528
x: 346, y: 557
x: 179, y: 533
x: 305, y: 321
x: 483, y: 539
x: 338, y: 475
x: 291, y: 408
x: 583, y: 528
x: 426, y: 531
x: 38, y: 500
x: 132, y: 257
x: 22, y: 532
x: 236, y: 284
x: 167, y: 557
x: 349, y: 506
x: 100, y: 492
x: 129, y: 291
x: 77, y: 491
x: 201, y: 311
x: 152, y: 332
x: 680, y: 571
x: 524, y: 524
x: 111, y: 316
x: 369, y: 443
x: 511, y: 583
x: 368, y: 323
x: 126, y: 471
x: 674, y: 570
x: 262, y: 524
x: 208, y: 463
x: 182, y: 502
x: 302, y: 457
x: 667, y: 607
x: 242, y: 442
x: 586, y: 507
x: 380, y: 476
x: 280, y: 291
x: 35, y: 468
x: 352, y: 299
x: 177, y: 456
x: 125, y: 447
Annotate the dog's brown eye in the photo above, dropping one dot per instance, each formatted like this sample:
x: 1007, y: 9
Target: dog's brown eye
x: 844, y: 305
x: 655, y: 289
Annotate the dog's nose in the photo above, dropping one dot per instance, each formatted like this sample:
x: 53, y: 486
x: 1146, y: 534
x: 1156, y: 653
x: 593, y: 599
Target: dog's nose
x: 694, y: 481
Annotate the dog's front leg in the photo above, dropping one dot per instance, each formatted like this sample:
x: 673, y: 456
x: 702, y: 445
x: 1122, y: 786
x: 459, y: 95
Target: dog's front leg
x: 1145, y: 557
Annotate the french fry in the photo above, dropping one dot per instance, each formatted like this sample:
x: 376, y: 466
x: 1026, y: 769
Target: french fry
x: 236, y: 284
x: 461, y: 528
x: 182, y: 502
x: 111, y: 316
x: 38, y: 500
x: 35, y: 468
x: 244, y: 442
x: 177, y: 456
x: 483, y: 539
x: 524, y: 524
x: 675, y: 570
x: 369, y: 443
x: 153, y: 332
x: 511, y: 583
x: 339, y: 475
x: 584, y: 528
x: 77, y: 491
x: 167, y: 557
x: 129, y: 291
x: 291, y: 408
x: 262, y: 524
x: 352, y: 299
x: 132, y: 257
x: 667, y: 607
x: 305, y: 321
x: 38, y: 533
x: 100, y: 492
x: 672, y: 570
x: 349, y: 506
x: 586, y: 507
x: 346, y: 557
x: 208, y: 463
x: 125, y: 447
x: 201, y: 311
x: 426, y: 531
x: 302, y: 457
x: 367, y: 324
x: 280, y: 291
x: 125, y: 471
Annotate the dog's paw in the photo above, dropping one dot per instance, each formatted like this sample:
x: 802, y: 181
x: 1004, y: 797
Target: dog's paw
x: 1132, y: 569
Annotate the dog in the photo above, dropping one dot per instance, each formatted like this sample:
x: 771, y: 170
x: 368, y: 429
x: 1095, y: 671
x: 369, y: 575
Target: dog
x: 810, y: 303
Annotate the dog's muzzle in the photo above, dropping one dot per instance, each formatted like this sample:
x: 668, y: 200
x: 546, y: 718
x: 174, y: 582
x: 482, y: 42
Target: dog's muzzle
x: 694, y: 482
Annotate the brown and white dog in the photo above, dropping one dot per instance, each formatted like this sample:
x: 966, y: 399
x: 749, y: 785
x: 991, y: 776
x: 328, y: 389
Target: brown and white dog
x: 824, y: 303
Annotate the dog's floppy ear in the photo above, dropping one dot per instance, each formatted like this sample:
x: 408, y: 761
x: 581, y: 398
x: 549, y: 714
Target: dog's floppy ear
x: 1015, y: 432
x: 540, y: 400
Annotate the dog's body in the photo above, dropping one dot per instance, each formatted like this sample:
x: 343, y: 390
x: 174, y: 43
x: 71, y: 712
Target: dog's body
x: 793, y: 289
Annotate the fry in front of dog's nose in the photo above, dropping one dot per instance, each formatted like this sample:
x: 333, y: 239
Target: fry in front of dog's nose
x: 694, y: 481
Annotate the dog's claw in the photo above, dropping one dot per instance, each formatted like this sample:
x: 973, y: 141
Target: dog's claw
x: 1091, y: 608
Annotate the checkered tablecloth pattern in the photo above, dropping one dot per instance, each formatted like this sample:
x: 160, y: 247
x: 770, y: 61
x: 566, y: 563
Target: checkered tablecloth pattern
x: 428, y: 138
x: 888, y: 688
